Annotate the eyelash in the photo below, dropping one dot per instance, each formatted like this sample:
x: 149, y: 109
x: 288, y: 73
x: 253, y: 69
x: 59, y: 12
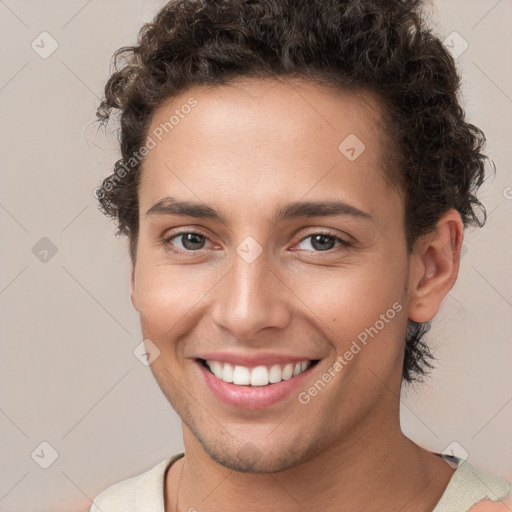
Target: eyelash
x: 344, y: 244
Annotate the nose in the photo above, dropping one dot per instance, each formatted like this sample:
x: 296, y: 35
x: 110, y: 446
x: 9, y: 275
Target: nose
x: 250, y: 298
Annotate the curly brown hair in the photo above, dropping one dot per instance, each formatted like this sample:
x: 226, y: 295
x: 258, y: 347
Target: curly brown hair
x: 382, y: 46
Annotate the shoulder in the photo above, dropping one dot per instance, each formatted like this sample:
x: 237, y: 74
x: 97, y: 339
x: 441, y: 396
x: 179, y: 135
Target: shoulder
x: 119, y: 497
x: 472, y: 488
x: 146, y: 488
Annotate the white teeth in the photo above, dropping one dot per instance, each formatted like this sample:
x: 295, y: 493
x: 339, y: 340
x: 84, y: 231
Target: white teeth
x: 274, y: 375
x: 227, y: 373
x: 257, y: 376
x: 287, y: 372
x: 241, y: 376
x: 216, y: 368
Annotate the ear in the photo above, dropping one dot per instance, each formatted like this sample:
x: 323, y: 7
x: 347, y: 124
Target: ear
x: 133, y: 293
x: 434, y: 267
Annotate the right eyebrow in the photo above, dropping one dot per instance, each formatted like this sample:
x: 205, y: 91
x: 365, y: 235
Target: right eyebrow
x: 168, y: 206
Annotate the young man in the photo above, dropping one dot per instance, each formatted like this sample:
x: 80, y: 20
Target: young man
x: 295, y: 181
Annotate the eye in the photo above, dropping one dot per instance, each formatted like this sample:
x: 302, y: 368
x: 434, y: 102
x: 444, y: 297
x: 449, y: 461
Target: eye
x: 191, y: 241
x: 322, y: 242
x: 186, y: 241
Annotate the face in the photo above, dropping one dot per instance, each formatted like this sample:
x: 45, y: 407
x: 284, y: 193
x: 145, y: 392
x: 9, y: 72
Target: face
x: 291, y: 245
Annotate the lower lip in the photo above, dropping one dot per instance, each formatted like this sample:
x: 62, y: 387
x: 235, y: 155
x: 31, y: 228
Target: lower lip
x: 252, y: 397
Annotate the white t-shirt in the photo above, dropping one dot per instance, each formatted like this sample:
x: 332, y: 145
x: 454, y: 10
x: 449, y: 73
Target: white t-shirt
x: 468, y: 489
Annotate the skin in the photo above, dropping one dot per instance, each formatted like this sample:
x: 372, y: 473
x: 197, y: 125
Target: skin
x: 246, y: 150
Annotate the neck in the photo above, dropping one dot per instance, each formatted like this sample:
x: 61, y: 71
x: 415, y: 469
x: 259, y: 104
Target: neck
x: 373, y: 467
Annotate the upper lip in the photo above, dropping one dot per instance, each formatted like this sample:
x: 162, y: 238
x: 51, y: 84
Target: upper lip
x: 260, y: 359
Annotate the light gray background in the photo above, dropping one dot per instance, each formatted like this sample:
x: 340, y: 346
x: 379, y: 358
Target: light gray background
x: 68, y: 375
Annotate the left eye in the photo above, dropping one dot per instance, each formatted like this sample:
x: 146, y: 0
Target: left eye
x: 321, y: 242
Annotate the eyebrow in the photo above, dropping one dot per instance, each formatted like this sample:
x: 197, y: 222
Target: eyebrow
x: 170, y: 206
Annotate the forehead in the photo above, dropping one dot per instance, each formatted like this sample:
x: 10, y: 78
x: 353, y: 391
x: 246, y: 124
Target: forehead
x: 260, y: 108
x: 266, y: 139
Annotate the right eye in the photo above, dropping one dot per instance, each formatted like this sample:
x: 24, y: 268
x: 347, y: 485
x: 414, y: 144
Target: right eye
x: 186, y: 241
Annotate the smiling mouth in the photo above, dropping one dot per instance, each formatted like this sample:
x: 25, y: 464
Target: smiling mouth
x: 263, y: 375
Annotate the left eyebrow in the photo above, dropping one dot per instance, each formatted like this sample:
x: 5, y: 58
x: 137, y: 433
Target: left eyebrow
x: 319, y: 209
x: 169, y: 206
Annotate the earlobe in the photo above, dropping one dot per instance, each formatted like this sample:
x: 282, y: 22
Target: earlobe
x: 435, y: 266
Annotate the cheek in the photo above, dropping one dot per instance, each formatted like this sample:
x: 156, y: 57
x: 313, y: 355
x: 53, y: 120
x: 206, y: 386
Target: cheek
x: 168, y: 296
x: 361, y: 312
x: 353, y: 296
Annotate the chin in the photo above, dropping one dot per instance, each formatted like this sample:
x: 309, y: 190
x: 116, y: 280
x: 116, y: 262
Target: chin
x: 251, y: 456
